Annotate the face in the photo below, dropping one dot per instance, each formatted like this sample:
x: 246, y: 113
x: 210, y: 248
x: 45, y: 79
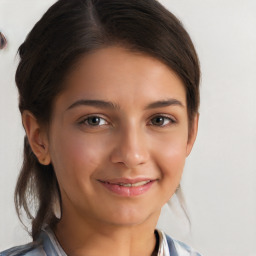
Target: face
x: 118, y: 138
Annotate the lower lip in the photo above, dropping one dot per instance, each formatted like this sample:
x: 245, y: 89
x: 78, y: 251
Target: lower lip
x: 128, y: 191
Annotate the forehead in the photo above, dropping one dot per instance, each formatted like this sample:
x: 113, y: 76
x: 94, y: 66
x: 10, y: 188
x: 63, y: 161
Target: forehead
x: 119, y: 75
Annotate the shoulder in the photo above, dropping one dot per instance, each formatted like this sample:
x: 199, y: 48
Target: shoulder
x: 180, y: 248
x: 45, y: 245
x: 31, y: 249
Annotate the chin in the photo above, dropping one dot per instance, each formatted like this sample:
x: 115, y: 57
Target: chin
x: 131, y: 217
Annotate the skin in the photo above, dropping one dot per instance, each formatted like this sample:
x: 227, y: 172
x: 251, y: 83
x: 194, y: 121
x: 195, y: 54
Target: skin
x: 142, y: 134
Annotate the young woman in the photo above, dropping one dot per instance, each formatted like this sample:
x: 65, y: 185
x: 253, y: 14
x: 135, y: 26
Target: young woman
x: 109, y: 96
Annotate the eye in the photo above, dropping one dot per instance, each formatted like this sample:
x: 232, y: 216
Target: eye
x: 94, y: 121
x: 161, y: 120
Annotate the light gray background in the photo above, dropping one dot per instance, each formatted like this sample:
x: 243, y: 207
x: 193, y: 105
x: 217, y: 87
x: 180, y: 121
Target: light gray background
x: 220, y: 174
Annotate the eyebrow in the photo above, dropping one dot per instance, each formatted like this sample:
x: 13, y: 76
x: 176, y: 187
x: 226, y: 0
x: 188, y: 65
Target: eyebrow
x: 164, y: 103
x: 111, y: 105
x: 94, y: 103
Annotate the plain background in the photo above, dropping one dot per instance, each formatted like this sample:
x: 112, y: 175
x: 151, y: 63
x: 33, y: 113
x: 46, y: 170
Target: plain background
x: 219, y: 177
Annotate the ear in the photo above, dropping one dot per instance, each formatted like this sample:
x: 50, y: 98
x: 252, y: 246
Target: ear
x: 37, y: 137
x: 193, y: 134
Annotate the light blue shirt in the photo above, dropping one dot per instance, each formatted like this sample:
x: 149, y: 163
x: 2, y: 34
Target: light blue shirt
x: 47, y: 245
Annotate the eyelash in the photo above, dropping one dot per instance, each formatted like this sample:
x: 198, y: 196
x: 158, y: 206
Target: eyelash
x: 85, y: 121
x: 165, y: 118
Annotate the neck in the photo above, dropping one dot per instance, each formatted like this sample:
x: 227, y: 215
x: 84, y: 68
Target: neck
x: 89, y: 237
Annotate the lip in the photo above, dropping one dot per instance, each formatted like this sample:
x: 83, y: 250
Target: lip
x: 123, y: 186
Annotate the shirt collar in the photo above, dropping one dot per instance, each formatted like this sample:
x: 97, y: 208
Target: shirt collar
x: 163, y: 249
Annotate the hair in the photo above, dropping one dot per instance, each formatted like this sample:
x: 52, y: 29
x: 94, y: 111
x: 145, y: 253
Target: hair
x: 65, y: 33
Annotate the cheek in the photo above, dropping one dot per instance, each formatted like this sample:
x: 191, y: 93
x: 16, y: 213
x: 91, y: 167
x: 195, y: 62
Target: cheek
x: 171, y: 155
x: 173, y: 159
x: 76, y: 157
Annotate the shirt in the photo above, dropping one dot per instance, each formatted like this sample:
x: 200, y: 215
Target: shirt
x: 47, y: 245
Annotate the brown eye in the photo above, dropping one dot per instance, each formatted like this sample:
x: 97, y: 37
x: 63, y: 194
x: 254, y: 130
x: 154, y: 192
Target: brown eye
x: 161, y: 121
x: 94, y: 121
x: 3, y: 41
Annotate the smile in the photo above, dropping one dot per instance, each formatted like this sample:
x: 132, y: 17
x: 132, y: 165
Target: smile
x: 137, y: 184
x: 128, y: 188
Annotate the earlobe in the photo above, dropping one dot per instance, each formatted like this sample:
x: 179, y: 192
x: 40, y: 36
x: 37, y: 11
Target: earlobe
x: 37, y: 138
x: 193, y: 134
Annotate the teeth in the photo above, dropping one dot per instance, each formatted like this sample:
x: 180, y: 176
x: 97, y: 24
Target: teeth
x: 125, y: 184
x: 141, y: 183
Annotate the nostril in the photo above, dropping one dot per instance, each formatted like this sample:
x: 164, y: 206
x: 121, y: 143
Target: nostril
x: 3, y: 41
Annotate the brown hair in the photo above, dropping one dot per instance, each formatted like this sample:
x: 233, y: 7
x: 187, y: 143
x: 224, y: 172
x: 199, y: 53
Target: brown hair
x: 68, y: 30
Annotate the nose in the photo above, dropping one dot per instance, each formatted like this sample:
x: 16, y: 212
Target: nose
x: 130, y: 148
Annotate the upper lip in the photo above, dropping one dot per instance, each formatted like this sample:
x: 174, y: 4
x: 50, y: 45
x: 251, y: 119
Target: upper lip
x: 126, y: 180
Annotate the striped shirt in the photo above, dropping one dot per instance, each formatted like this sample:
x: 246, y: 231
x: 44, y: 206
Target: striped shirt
x: 47, y: 245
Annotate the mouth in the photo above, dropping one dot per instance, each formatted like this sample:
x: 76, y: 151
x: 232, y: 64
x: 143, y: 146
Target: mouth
x: 128, y: 187
x: 137, y: 184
